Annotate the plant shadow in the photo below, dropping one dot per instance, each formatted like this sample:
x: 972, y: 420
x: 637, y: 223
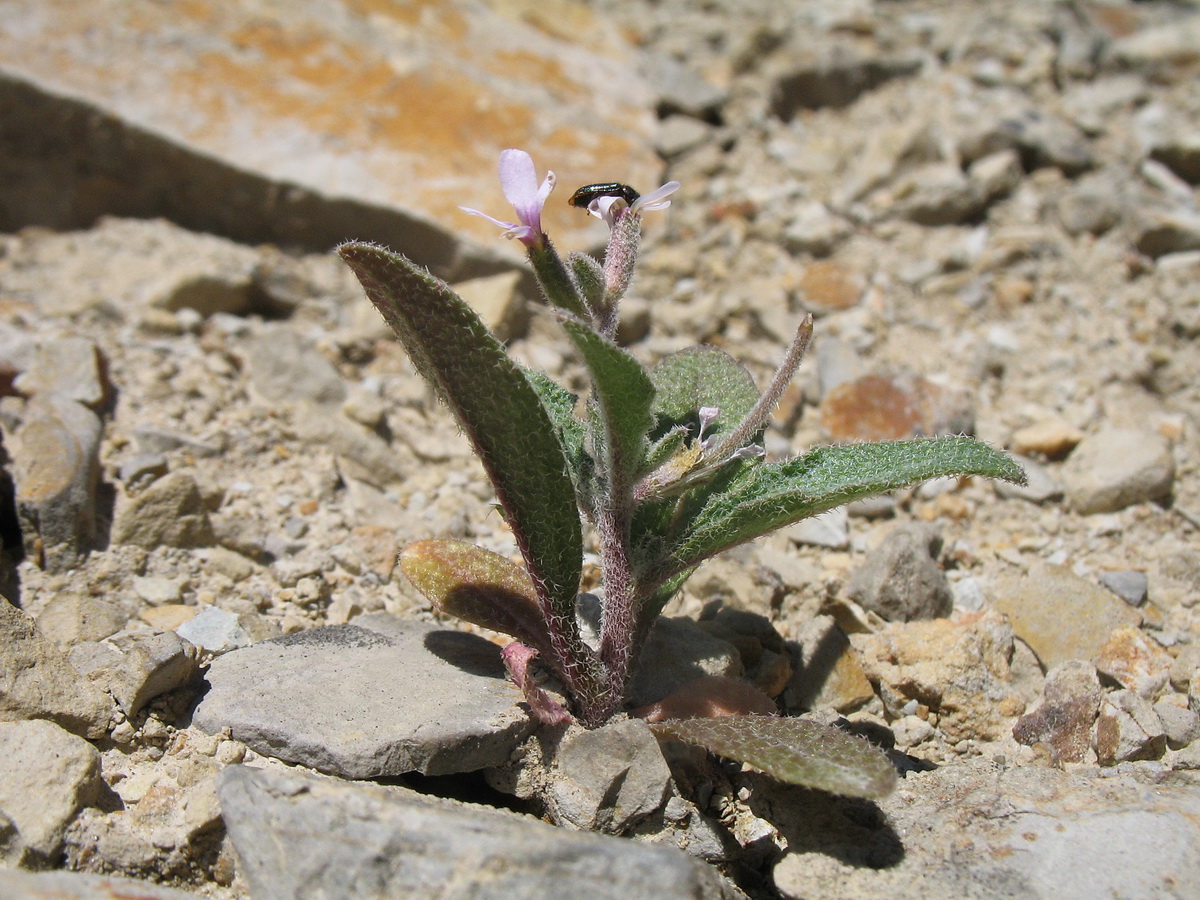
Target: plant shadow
x: 469, y: 652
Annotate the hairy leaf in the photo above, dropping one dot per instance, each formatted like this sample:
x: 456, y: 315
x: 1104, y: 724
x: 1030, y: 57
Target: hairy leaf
x: 497, y: 408
x: 623, y: 397
x: 792, y: 750
x: 767, y: 496
x: 477, y: 586
x: 702, y: 376
x: 572, y: 435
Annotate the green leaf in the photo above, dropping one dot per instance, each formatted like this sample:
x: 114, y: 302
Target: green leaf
x: 623, y: 394
x: 478, y: 586
x: 792, y: 750
x: 767, y: 496
x: 497, y: 408
x: 572, y: 435
x: 701, y: 376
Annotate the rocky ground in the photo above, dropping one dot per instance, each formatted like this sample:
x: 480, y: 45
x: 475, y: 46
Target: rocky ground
x: 213, y: 453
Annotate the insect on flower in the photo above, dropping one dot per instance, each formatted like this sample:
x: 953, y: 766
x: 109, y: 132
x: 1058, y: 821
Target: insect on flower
x: 589, y: 192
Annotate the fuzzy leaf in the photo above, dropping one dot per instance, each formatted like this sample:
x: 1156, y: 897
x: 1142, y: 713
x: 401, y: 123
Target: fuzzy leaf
x: 623, y: 397
x: 496, y: 407
x: 792, y: 750
x: 767, y: 496
x: 702, y: 376
x: 477, y: 586
x: 560, y: 406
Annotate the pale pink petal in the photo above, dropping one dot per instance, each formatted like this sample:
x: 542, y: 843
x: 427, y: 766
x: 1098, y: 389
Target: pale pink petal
x: 656, y: 198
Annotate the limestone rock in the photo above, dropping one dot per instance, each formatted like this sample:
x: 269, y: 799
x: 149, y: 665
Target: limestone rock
x: 397, y: 843
x: 959, y: 669
x: 1118, y: 467
x: 71, y: 367
x: 1128, y: 729
x: 170, y: 512
x: 47, y: 777
x: 37, y: 681
x: 367, y: 703
x: 609, y: 778
x: 319, y: 122
x: 65, y: 885
x: 136, y: 666
x: 900, y: 579
x: 828, y: 672
x: 1135, y: 662
x: 56, y: 470
x: 1060, y: 615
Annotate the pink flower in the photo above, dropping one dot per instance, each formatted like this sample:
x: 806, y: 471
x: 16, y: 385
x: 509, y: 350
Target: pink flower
x: 518, y: 179
x: 608, y: 208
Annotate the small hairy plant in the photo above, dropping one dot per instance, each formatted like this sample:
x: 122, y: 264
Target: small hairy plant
x: 665, y: 464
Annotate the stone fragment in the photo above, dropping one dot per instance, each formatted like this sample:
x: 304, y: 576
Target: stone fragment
x: 1040, y: 486
x: 142, y: 468
x: 56, y: 472
x: 214, y: 630
x: 934, y: 194
x: 1180, y: 153
x: 319, y: 123
x: 980, y: 830
x: 827, y: 673
x: 1118, y: 467
x: 1157, y: 233
x: 814, y: 228
x: 1060, y: 615
x: 677, y: 134
x: 362, y: 454
x: 47, y: 777
x: 230, y: 563
x: 168, y: 513
x: 1180, y: 724
x: 834, y: 76
x: 883, y: 407
x: 37, y: 681
x: 71, y: 367
x: 1135, y: 662
x: 1063, y: 720
x: 996, y: 175
x: 364, y: 703
x: 1052, y: 439
x: 404, y: 844
x: 1040, y: 139
x: 677, y: 651
x: 829, y: 529
x: 900, y: 580
x: 1128, y: 729
x: 69, y: 618
x: 163, y: 440
x: 66, y: 885
x: 1128, y: 584
x: 284, y: 367
x: 827, y: 286
x: 1091, y: 206
x: 1150, y: 49
x: 498, y: 302
x: 608, y: 779
x: 136, y: 666
x: 959, y: 669
x: 157, y: 590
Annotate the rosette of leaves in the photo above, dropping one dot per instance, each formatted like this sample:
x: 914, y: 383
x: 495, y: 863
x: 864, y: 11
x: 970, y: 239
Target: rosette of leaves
x: 663, y: 463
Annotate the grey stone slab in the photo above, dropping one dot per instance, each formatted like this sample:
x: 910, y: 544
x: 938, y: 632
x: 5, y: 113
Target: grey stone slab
x: 368, y: 842
x: 368, y: 703
x: 78, y: 886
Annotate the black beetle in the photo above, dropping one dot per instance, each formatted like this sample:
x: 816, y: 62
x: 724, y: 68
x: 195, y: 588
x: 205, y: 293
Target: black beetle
x: 589, y: 192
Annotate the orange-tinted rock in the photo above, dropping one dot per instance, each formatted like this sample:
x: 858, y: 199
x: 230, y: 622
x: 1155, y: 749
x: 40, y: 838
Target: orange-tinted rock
x: 394, y: 107
x: 1135, y: 662
x: 828, y: 286
x: 883, y: 407
x: 1063, y: 721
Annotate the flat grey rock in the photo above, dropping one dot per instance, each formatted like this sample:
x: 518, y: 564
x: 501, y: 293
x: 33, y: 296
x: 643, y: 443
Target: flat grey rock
x: 979, y: 830
x: 78, y: 886
x: 366, y: 703
x: 397, y: 843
